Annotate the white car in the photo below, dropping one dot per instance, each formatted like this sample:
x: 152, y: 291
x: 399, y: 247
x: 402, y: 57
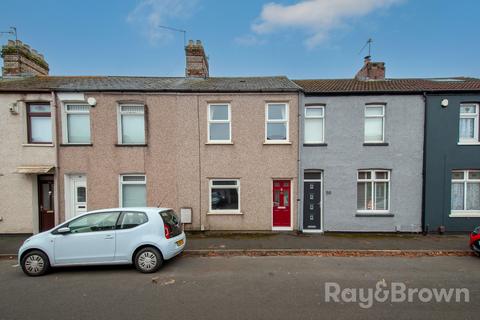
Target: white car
x: 142, y: 236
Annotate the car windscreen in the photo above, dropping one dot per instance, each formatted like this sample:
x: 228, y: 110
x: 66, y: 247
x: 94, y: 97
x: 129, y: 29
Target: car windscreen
x: 170, y: 219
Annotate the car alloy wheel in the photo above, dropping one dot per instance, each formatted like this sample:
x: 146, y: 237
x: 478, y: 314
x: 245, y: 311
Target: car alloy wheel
x: 148, y: 260
x: 35, y: 263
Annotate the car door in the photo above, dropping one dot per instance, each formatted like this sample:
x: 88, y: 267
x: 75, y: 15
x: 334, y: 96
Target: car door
x: 91, y: 240
x: 132, y: 229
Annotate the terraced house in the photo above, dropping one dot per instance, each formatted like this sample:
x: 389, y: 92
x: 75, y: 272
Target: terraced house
x: 362, y: 159
x: 222, y: 151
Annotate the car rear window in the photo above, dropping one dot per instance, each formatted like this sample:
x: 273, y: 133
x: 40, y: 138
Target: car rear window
x: 170, y: 218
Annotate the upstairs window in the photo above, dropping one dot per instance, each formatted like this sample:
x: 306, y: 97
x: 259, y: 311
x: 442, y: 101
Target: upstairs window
x: 374, y: 123
x: 276, y: 122
x: 465, y: 191
x: 469, y: 123
x: 77, y: 123
x: 39, y: 123
x: 373, y: 191
x: 314, y: 124
x: 219, y: 123
x: 131, y: 124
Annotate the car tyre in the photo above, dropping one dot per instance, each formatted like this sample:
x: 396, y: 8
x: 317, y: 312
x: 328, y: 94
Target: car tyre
x: 148, y: 260
x: 35, y: 263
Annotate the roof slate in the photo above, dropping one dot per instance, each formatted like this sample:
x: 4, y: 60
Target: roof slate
x: 161, y: 84
x: 352, y: 86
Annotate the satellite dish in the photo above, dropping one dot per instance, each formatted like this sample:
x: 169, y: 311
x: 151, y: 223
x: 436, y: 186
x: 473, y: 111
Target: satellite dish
x: 92, y: 101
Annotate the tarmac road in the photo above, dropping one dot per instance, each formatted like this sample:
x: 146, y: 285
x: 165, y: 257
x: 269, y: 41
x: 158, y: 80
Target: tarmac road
x: 238, y: 288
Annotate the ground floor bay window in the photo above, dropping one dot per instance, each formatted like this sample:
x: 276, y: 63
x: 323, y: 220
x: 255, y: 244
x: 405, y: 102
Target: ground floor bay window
x: 224, y: 196
x: 373, y: 191
x: 465, y: 193
x: 133, y: 191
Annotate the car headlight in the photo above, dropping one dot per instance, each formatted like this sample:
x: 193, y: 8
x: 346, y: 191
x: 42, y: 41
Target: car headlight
x: 476, y: 231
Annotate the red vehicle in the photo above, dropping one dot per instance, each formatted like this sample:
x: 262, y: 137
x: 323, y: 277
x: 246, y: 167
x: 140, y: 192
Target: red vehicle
x: 475, y: 241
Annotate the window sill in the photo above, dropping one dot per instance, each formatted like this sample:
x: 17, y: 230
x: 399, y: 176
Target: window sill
x: 38, y: 145
x: 219, y: 142
x: 277, y: 142
x: 468, y: 143
x: 315, y: 144
x: 226, y: 213
x: 465, y: 214
x: 76, y: 144
x: 375, y: 144
x: 131, y: 145
x: 373, y: 214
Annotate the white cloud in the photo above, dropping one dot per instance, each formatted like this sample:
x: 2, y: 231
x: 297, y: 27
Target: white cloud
x: 316, y: 17
x: 149, y: 14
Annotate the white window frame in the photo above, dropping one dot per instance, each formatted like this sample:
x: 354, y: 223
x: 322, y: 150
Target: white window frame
x: 373, y: 180
x: 382, y: 116
x: 464, y: 213
x: 119, y: 122
x: 286, y: 120
x: 65, y: 114
x: 314, y: 117
x: 475, y: 117
x: 229, y: 121
x: 122, y: 182
x: 237, y: 187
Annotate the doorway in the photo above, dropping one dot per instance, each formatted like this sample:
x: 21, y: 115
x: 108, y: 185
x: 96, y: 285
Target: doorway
x: 46, y: 202
x: 76, y: 195
x: 312, y: 202
x: 282, y: 217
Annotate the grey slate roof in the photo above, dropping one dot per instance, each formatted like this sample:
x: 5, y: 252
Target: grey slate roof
x: 150, y: 84
x: 354, y: 86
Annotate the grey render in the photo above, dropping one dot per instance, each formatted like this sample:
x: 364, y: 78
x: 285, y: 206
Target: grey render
x: 345, y: 154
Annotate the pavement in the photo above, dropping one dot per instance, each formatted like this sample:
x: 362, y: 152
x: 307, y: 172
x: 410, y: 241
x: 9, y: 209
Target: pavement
x: 218, y: 242
x: 241, y: 288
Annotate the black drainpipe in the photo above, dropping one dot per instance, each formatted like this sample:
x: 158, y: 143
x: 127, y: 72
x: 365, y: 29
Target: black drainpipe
x: 424, y: 165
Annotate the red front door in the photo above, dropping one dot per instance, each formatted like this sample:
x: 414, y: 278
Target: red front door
x: 281, y: 203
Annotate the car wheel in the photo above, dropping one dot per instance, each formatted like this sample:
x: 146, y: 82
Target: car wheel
x: 148, y: 260
x: 35, y: 263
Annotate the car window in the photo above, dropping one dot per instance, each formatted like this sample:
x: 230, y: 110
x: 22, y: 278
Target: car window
x: 101, y: 221
x: 131, y: 220
x: 170, y: 218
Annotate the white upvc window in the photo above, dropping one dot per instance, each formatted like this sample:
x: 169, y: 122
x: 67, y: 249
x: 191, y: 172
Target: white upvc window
x: 131, y: 124
x: 276, y: 123
x: 133, y: 190
x: 76, y: 123
x: 469, y: 123
x: 373, y: 191
x: 374, y: 123
x: 219, y: 123
x: 224, y: 196
x: 314, y: 131
x: 465, y: 199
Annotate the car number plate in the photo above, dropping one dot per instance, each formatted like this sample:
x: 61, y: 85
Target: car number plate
x: 179, y: 242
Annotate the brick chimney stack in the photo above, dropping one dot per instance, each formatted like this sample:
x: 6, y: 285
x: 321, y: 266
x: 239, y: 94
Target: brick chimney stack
x: 20, y: 60
x: 371, y: 70
x: 196, y: 60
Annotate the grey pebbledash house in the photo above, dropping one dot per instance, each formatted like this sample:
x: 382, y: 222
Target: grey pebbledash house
x: 362, y: 153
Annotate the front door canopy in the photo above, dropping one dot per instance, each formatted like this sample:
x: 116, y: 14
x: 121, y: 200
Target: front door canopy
x: 35, y: 169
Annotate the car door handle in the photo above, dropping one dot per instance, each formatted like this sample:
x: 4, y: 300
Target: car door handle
x: 109, y: 236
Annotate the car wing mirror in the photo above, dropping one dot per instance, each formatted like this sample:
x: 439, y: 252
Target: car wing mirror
x: 63, y: 230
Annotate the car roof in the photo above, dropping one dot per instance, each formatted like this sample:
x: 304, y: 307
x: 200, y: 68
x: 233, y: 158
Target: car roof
x: 143, y: 209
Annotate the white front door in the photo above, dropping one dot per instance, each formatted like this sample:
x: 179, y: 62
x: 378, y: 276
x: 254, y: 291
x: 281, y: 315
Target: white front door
x: 77, y: 195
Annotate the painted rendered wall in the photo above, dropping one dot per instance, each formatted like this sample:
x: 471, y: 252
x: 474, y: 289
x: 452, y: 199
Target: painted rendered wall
x: 345, y: 154
x: 442, y: 155
x: 177, y: 161
x: 18, y: 192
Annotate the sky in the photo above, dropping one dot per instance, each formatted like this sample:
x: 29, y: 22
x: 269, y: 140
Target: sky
x: 301, y: 39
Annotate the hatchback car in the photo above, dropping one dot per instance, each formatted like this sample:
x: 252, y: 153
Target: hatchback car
x: 144, y: 237
x: 475, y: 241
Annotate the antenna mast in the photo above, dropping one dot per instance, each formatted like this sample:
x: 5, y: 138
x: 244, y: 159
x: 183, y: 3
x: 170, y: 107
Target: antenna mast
x: 369, y: 44
x: 177, y: 30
